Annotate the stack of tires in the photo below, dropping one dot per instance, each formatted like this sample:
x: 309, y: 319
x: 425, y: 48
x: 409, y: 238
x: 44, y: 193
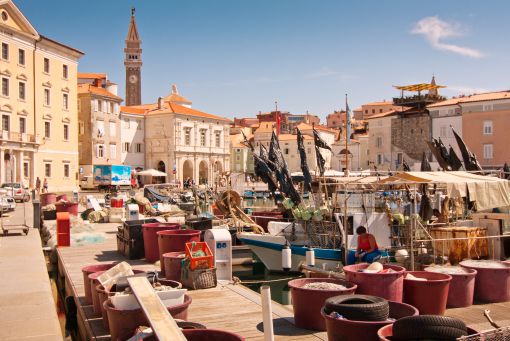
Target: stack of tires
x: 424, y: 327
x: 359, y: 317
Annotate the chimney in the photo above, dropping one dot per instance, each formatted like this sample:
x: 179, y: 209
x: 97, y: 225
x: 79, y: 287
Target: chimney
x: 98, y: 83
x: 160, y: 102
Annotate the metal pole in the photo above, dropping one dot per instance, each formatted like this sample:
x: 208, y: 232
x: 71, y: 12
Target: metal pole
x: 345, y: 236
x: 347, y: 129
x: 413, y: 223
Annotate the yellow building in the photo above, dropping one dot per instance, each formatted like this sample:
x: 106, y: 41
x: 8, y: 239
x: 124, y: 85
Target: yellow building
x: 38, y: 105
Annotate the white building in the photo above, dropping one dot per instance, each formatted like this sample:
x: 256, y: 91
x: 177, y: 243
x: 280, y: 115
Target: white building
x: 132, y: 121
x: 184, y: 142
x: 354, y: 155
x: 444, y: 116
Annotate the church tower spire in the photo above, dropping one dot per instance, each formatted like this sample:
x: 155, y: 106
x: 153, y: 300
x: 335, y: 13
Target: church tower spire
x: 133, y: 64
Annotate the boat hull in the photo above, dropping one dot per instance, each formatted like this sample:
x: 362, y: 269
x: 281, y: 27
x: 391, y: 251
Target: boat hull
x: 269, y: 250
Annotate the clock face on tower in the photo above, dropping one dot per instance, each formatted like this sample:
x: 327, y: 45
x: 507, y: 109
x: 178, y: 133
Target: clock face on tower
x: 133, y: 79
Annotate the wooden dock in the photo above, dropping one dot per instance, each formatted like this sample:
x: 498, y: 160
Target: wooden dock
x: 227, y: 307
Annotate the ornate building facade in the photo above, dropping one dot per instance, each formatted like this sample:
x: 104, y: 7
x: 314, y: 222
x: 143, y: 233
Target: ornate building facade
x: 38, y: 100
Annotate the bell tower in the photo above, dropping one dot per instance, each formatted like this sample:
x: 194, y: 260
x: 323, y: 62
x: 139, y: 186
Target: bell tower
x: 133, y: 64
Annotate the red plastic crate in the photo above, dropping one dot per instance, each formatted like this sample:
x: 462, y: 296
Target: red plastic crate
x: 63, y: 239
x: 204, y: 262
x: 63, y: 222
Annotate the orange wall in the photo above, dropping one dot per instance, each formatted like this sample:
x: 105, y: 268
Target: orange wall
x: 472, y: 133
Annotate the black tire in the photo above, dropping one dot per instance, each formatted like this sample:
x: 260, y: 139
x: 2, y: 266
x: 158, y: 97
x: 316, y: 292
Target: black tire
x: 429, y: 327
x: 358, y: 307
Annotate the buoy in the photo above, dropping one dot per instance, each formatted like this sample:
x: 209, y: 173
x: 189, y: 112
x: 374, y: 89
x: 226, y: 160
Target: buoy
x: 310, y: 257
x: 401, y: 255
x: 286, y: 257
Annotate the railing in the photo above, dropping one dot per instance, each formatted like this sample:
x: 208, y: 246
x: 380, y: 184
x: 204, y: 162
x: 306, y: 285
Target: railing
x: 417, y: 99
x: 19, y: 137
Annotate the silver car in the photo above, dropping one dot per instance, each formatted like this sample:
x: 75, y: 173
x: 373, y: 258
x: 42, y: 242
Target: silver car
x: 17, y: 191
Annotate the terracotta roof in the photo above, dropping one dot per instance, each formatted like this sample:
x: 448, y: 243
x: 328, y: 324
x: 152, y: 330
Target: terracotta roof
x: 383, y: 114
x: 88, y: 88
x: 175, y: 108
x: 357, y: 109
x: 90, y: 75
x: 177, y: 98
x: 238, y: 144
x: 488, y: 96
x: 132, y: 110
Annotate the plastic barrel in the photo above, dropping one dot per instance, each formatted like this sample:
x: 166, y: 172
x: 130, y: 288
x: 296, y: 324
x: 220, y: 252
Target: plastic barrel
x: 307, y: 303
x: 429, y: 296
x: 150, y: 239
x: 123, y: 323
x: 386, y: 285
x: 386, y: 332
x: 349, y: 330
x: 174, y: 241
x: 48, y: 198
x: 173, y: 265
x: 491, y: 284
x: 90, y: 269
x: 462, y: 288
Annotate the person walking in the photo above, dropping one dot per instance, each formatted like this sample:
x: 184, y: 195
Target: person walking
x: 45, y: 186
x: 38, y: 186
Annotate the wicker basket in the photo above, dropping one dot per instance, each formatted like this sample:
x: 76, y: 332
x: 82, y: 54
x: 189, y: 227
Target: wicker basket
x: 199, y: 278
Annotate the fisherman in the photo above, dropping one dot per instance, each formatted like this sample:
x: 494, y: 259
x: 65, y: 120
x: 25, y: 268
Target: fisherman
x: 367, y: 250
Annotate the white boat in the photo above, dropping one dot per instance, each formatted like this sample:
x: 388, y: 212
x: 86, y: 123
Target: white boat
x: 268, y: 246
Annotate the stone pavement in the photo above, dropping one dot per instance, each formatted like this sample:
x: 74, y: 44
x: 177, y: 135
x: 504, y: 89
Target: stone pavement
x: 27, y: 307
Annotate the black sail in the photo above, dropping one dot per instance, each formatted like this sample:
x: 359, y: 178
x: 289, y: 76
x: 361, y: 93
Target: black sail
x: 425, y: 165
x: 304, y: 165
x: 455, y: 162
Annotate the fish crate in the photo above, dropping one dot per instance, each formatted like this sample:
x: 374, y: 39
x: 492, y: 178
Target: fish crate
x: 130, y: 248
x: 198, y: 279
x: 199, y: 262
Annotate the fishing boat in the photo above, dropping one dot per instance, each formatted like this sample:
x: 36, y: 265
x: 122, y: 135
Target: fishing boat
x: 322, y: 236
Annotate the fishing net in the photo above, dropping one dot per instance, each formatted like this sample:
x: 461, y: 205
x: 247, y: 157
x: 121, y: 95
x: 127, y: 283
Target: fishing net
x: 501, y: 334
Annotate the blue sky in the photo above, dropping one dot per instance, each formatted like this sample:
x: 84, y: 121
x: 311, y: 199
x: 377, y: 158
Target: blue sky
x: 235, y: 58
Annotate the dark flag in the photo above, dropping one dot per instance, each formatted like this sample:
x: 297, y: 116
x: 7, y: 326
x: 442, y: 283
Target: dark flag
x: 263, y: 152
x: 304, y: 165
x: 455, y: 162
x: 263, y: 171
x: 282, y: 171
x: 437, y: 154
x: 425, y: 165
x: 405, y: 166
x: 444, y: 152
x: 320, y: 160
x: 247, y: 143
x: 319, y: 142
x: 470, y: 161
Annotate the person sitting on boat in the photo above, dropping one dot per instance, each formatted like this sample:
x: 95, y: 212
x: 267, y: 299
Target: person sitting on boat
x: 367, y: 250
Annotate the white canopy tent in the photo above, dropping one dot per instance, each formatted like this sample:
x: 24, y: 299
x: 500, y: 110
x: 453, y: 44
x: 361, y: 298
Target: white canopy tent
x: 151, y: 172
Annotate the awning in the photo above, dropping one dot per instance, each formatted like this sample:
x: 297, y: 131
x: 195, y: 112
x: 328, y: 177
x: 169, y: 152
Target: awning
x: 418, y: 87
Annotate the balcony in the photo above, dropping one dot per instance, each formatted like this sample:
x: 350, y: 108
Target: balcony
x: 12, y: 136
x: 417, y: 100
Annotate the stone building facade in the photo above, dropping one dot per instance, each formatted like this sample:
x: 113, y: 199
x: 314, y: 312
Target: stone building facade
x: 38, y: 105
x: 99, y: 133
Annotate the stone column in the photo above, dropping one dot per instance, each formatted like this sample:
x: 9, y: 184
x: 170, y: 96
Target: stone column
x: 33, y: 176
x: 14, y: 171
x: 2, y: 165
x: 21, y: 169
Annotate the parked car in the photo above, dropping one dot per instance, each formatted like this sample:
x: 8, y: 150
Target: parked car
x: 7, y: 203
x: 17, y: 191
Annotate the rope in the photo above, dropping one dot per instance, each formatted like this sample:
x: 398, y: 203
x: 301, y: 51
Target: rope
x: 237, y: 281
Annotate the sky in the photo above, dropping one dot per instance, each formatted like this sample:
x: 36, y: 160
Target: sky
x: 234, y: 58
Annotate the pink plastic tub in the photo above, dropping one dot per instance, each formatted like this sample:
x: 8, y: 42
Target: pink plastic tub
x: 462, y: 288
x: 123, y: 323
x: 429, y: 296
x: 150, y: 239
x: 90, y: 269
x: 386, y: 332
x: 174, y: 241
x: 492, y: 284
x: 307, y: 303
x: 385, y: 285
x: 348, y: 330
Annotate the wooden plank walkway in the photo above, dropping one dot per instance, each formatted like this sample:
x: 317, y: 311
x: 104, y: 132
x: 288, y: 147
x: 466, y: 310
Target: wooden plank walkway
x: 27, y: 307
x: 227, y: 307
